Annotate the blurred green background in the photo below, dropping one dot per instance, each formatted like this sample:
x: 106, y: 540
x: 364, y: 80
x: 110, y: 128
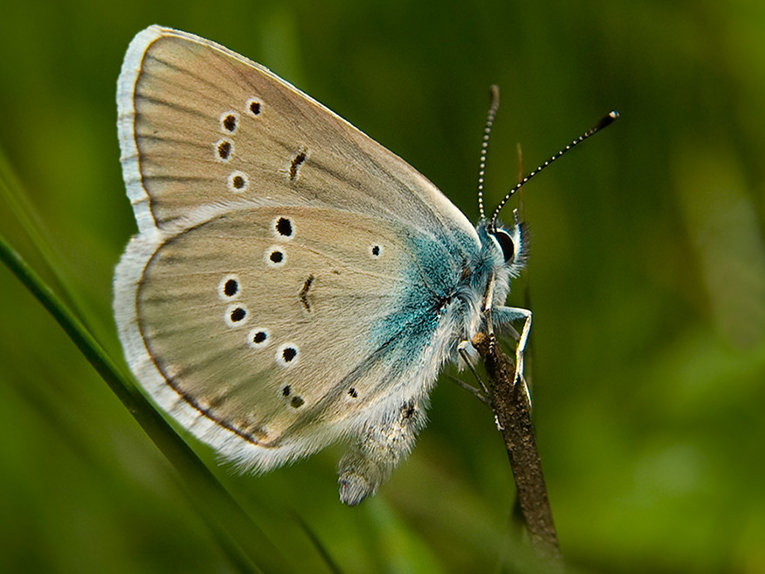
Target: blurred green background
x: 646, y: 278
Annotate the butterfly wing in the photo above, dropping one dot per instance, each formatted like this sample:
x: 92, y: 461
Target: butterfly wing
x: 283, y: 280
x: 200, y: 125
x: 268, y: 332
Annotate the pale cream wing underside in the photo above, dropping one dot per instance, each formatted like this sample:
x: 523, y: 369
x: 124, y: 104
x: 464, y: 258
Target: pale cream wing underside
x: 201, y: 125
x: 258, y: 321
x: 215, y: 149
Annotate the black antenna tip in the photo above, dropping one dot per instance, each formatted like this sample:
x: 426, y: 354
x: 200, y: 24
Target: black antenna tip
x: 607, y: 120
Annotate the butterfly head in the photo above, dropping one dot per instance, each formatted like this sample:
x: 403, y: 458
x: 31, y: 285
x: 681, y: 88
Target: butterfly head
x: 511, y: 244
x: 502, y: 257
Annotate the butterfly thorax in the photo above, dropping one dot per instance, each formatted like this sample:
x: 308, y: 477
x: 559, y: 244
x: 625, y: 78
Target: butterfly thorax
x: 501, y: 257
x: 462, y: 302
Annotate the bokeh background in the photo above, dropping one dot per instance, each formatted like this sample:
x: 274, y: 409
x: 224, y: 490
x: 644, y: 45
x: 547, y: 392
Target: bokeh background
x: 646, y: 278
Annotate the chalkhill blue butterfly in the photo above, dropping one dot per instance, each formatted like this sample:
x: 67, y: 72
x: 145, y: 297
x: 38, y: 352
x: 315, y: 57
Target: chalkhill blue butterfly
x: 293, y: 283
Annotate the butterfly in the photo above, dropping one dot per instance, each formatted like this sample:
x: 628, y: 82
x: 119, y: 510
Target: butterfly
x: 293, y: 283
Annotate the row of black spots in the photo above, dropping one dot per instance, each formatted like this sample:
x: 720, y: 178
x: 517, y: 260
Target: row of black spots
x: 258, y: 338
x: 283, y: 228
x: 224, y: 149
x: 229, y: 120
x: 229, y: 124
x: 295, y: 401
x: 275, y: 256
x: 237, y: 181
x: 287, y: 354
x: 235, y: 315
x: 253, y: 107
x: 353, y: 393
x: 229, y: 287
x: 375, y: 251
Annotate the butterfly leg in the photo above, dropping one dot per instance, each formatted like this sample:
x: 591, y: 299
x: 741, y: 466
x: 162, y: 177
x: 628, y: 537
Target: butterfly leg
x: 377, y: 450
x: 504, y: 315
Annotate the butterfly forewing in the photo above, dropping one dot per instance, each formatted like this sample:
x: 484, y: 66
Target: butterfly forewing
x: 202, y: 125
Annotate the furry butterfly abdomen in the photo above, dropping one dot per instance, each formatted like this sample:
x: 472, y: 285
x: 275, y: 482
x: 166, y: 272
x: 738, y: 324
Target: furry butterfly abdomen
x: 292, y: 282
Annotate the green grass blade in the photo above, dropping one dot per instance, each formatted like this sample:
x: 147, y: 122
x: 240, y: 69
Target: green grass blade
x: 14, y: 195
x: 247, y: 547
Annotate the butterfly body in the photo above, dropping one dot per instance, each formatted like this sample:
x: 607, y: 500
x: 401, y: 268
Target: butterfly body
x: 293, y: 282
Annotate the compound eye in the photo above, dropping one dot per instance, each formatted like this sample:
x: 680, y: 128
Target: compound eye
x: 506, y: 244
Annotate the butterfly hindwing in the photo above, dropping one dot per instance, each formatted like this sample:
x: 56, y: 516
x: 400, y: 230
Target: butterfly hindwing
x: 279, y: 325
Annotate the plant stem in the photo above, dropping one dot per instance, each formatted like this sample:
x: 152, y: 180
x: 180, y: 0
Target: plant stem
x: 512, y: 413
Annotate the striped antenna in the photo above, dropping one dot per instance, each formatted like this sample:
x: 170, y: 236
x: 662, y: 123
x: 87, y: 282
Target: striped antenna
x: 485, y: 146
x: 604, y: 122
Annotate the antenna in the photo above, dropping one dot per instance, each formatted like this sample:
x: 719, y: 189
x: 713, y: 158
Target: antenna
x: 604, y: 122
x: 485, y: 146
